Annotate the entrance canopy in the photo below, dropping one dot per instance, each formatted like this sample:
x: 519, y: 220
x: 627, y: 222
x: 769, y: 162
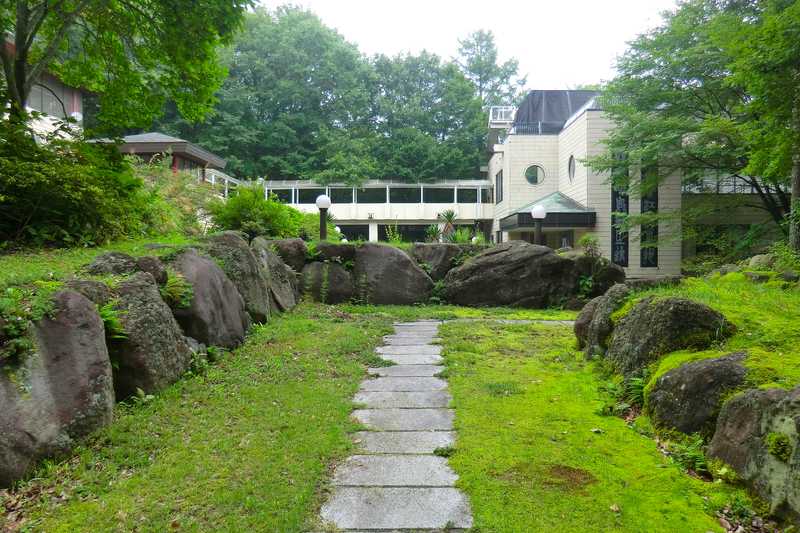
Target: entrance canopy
x: 562, y: 212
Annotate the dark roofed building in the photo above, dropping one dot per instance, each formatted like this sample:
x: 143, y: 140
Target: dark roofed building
x: 546, y: 112
x: 185, y: 155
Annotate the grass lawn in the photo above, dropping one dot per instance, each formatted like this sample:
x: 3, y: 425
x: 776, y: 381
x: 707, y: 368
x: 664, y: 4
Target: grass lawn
x: 20, y: 268
x: 533, y: 454
x: 247, y: 446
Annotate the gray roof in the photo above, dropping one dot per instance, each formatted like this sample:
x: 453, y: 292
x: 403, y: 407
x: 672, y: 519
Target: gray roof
x: 546, y: 112
x: 152, y: 137
x: 154, y: 142
x: 556, y: 202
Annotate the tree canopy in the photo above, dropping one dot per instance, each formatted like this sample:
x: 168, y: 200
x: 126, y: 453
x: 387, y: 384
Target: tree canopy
x: 134, y: 54
x: 496, y: 83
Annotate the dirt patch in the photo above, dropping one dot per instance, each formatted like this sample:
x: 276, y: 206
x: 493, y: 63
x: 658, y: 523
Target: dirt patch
x: 568, y: 477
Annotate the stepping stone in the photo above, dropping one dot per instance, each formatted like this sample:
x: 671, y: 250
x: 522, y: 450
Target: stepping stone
x: 394, y: 471
x: 403, y: 384
x: 408, y: 340
x: 403, y: 400
x: 420, y: 349
x: 419, y: 323
x: 413, y: 359
x: 404, y: 441
x: 405, y: 419
x: 406, y: 370
x: 371, y: 508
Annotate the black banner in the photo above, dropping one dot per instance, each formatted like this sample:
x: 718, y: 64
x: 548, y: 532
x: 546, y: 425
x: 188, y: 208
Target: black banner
x: 649, y: 240
x: 619, y: 239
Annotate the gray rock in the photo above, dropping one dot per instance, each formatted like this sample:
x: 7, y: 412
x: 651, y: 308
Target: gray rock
x: 523, y: 275
x: 114, y: 263
x: 216, y: 316
x: 438, y: 256
x: 581, y: 327
x: 789, y: 275
x: 96, y: 291
x: 757, y: 277
x: 657, y: 326
x: 240, y: 264
x: 154, y: 267
x: 293, y: 252
x: 688, y: 398
x: 328, y: 283
x: 153, y: 354
x: 62, y: 392
x: 283, y: 280
x: 598, y: 332
x: 604, y: 273
x: 385, y: 275
x: 728, y: 269
x: 338, y: 252
x: 761, y: 262
x: 757, y: 435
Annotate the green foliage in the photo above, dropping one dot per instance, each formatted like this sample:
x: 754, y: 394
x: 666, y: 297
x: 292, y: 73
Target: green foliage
x: 496, y: 84
x: 19, y: 307
x: 393, y: 234
x: 112, y: 324
x: 444, y: 451
x: 460, y: 235
x: 437, y: 293
x: 177, y: 292
x: 785, y: 257
x: 689, y: 454
x: 590, y: 245
x: 779, y: 445
x: 250, y: 212
x: 448, y: 219
x: 585, y: 286
x: 433, y: 233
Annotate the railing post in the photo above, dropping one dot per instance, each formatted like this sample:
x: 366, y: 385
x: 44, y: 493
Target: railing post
x: 226, y: 187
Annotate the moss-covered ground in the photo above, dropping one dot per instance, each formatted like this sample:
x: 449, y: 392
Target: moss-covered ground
x: 534, y: 454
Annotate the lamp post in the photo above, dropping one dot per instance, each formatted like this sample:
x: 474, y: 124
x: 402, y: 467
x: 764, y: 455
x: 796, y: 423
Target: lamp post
x: 323, y: 203
x: 538, y: 213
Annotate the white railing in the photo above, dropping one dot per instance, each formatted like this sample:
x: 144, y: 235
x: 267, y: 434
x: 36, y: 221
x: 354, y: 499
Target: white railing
x: 229, y: 183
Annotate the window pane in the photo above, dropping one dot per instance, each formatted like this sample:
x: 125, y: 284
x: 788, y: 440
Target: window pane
x: 371, y: 196
x: 534, y: 174
x: 342, y: 196
x: 467, y: 196
x: 355, y: 232
x: 308, y: 196
x: 284, y: 196
x: 405, y: 195
x: 438, y: 195
x: 486, y: 196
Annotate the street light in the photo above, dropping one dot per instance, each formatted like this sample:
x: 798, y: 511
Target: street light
x: 323, y: 203
x: 538, y: 213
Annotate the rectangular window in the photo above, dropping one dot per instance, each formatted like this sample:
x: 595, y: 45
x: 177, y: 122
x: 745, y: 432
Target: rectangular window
x: 404, y: 195
x: 341, y: 195
x: 371, y: 195
x: 467, y: 196
x: 649, y: 231
x: 498, y: 187
x: 486, y: 196
x: 308, y: 196
x: 283, y: 196
x: 438, y: 195
x: 355, y: 232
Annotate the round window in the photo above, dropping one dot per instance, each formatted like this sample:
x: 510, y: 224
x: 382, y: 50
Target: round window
x: 534, y: 174
x: 571, y: 167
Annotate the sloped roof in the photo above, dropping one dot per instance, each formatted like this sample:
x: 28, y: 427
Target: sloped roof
x: 152, y: 137
x: 549, y: 110
x: 154, y: 142
x: 556, y: 202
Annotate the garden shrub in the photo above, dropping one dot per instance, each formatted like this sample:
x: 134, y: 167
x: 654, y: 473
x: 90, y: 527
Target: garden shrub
x: 250, y: 212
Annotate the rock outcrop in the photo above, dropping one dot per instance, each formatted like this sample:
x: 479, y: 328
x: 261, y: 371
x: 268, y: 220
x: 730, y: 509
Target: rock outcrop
x: 327, y: 282
x: 437, y: 256
x: 337, y: 252
x: 757, y: 435
x: 385, y: 275
x: 216, y: 315
x: 117, y: 264
x: 656, y: 326
x: 152, y: 353
x: 597, y: 317
x: 96, y: 291
x: 283, y: 285
x: 293, y: 252
x: 62, y: 392
x: 239, y: 263
x: 688, y: 398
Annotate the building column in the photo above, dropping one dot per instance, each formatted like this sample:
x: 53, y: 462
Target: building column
x: 373, y: 232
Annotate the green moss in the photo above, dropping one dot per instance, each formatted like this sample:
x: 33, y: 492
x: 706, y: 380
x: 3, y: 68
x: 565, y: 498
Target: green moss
x: 19, y: 308
x: 779, y: 445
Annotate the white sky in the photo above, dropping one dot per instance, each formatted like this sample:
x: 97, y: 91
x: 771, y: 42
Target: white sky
x: 559, y: 43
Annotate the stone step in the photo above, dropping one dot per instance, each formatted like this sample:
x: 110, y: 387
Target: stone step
x: 418, y: 323
x: 376, y: 508
x: 403, y: 441
x: 405, y: 419
x: 425, y: 349
x: 394, y: 471
x: 409, y: 340
x: 403, y: 384
x: 405, y: 371
x: 402, y: 400
x: 413, y: 359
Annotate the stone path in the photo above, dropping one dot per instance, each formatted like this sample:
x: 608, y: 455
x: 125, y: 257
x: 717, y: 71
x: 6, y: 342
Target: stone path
x: 396, y: 482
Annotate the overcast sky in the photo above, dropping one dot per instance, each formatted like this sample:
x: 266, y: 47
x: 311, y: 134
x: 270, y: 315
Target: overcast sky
x: 559, y: 43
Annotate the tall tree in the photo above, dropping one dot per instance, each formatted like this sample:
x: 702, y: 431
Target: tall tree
x: 133, y: 53
x: 496, y: 83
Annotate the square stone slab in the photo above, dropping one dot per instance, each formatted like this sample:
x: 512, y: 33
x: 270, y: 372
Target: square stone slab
x: 409, y: 340
x: 406, y: 419
x: 403, y: 384
x: 371, y: 508
x: 421, y: 349
x: 403, y: 441
x: 413, y: 359
x: 403, y: 400
x: 399, y: 371
x: 394, y: 471
x: 419, y: 323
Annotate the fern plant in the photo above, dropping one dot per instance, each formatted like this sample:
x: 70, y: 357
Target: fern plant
x: 177, y: 292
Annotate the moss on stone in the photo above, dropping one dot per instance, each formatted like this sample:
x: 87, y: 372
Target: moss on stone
x: 779, y: 446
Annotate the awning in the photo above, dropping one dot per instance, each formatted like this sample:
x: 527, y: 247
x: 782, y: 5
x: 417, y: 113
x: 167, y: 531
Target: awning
x: 562, y: 212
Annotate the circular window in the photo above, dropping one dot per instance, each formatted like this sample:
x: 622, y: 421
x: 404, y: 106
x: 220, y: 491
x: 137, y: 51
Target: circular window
x: 534, y: 174
x: 571, y: 168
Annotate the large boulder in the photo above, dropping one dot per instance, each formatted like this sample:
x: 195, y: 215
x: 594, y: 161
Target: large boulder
x: 237, y: 260
x: 757, y: 435
x: 603, y: 273
x: 601, y: 325
x: 283, y: 285
x: 61, y: 392
x: 119, y: 264
x: 581, y: 326
x: 437, y: 256
x: 153, y: 353
x: 293, y: 252
x: 328, y: 282
x: 335, y: 251
x: 385, y: 275
x: 216, y: 315
x: 688, y: 398
x: 761, y: 262
x: 657, y: 326
x: 96, y: 291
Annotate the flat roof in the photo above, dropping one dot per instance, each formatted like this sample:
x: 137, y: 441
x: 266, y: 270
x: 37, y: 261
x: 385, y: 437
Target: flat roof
x: 307, y: 184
